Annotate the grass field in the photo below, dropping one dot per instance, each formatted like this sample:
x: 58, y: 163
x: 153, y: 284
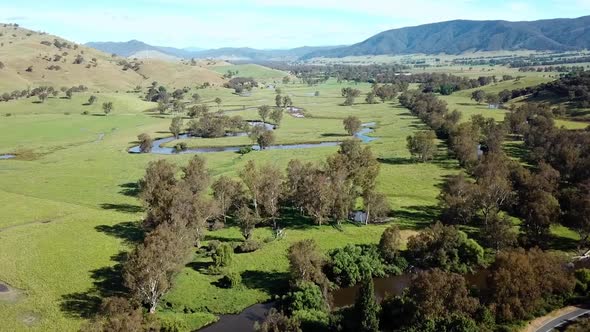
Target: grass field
x: 252, y: 70
x: 72, y: 207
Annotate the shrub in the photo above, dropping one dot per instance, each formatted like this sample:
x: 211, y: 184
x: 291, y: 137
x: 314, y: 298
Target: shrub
x: 173, y: 325
x: 245, y: 150
x: 351, y: 264
x: 180, y: 147
x: 231, y: 279
x: 223, y: 255
x: 85, y: 113
x: 248, y: 246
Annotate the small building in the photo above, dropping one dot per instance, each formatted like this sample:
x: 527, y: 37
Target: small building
x: 358, y: 216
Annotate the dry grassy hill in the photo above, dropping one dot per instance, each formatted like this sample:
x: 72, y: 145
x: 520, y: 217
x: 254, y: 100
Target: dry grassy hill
x: 31, y: 59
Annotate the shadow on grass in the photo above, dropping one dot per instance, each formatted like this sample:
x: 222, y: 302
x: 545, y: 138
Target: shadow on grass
x: 130, y: 189
x: 396, y: 161
x: 556, y: 242
x: 129, y: 231
x: 333, y: 135
x: 211, y: 237
x: 272, y: 282
x: 108, y: 281
x: 201, y: 267
x: 516, y: 150
x: 292, y: 219
x: 417, y: 217
x: 123, y: 207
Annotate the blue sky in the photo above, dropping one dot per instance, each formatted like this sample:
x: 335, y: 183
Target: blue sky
x: 261, y: 23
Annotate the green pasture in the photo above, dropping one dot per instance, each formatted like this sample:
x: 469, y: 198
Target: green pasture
x: 71, y: 207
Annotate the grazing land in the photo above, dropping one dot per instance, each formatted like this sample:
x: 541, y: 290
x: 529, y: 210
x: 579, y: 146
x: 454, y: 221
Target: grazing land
x: 72, y: 192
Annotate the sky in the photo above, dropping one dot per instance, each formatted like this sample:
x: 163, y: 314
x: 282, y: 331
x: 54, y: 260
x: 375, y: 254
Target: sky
x: 265, y: 24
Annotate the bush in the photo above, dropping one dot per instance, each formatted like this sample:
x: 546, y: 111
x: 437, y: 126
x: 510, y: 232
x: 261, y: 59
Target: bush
x: 248, y: 246
x: 245, y: 150
x: 223, y: 255
x: 351, y: 264
x: 582, y: 281
x: 173, y: 325
x: 231, y: 279
x: 180, y: 147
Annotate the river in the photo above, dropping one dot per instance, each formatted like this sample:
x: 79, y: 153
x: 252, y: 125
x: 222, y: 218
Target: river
x: 157, y: 147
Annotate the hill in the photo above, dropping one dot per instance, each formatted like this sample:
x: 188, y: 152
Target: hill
x: 134, y: 47
x: 30, y: 59
x: 455, y: 37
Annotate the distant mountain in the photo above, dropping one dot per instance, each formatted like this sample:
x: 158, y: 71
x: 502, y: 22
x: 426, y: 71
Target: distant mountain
x: 133, y: 47
x: 455, y: 37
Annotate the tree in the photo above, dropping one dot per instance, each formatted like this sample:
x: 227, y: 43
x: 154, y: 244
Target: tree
x: 353, y: 263
x: 218, y: 102
x: 350, y: 94
x: 287, y: 101
x: 266, y: 139
x: 498, y: 233
x: 229, y: 194
x: 145, y: 143
x: 366, y: 308
x: 478, y: 95
x: 91, y: 100
x: 505, y: 96
x: 157, y: 191
x: 493, y: 188
x: 445, y: 247
x: 264, y: 112
x: 306, y: 262
x: 251, y: 176
x: 278, y: 100
x: 196, y: 97
x: 422, y: 145
x: 437, y: 293
x: 286, y: 79
x: 492, y: 100
x: 117, y: 314
x: 376, y: 205
x: 107, y: 107
x: 247, y: 220
x: 276, y: 116
x: 176, y: 126
x: 69, y: 93
x: 271, y: 179
x: 520, y: 280
x: 390, y: 243
x: 576, y: 209
x: 457, y: 200
x: 42, y: 96
x: 352, y: 125
x: 276, y: 321
x: 196, y: 176
x: 150, y: 267
x: 370, y: 99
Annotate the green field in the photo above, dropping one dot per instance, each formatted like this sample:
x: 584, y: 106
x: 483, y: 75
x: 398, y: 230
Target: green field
x: 71, y: 207
x: 252, y: 70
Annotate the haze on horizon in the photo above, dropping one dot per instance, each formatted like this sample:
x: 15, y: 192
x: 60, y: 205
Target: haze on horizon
x: 263, y: 24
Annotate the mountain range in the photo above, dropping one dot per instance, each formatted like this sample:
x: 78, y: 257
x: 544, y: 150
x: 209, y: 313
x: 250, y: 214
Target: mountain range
x: 136, y: 48
x: 460, y: 36
x: 451, y: 37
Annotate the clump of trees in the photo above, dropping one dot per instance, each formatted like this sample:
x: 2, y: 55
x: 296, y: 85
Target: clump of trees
x: 350, y: 95
x: 422, y: 145
x: 352, y: 125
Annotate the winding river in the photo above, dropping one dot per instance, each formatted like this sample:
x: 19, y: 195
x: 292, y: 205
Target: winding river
x: 157, y: 147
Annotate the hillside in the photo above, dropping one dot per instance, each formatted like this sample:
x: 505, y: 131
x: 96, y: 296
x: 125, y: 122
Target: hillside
x: 31, y: 59
x: 133, y: 48
x: 455, y: 37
